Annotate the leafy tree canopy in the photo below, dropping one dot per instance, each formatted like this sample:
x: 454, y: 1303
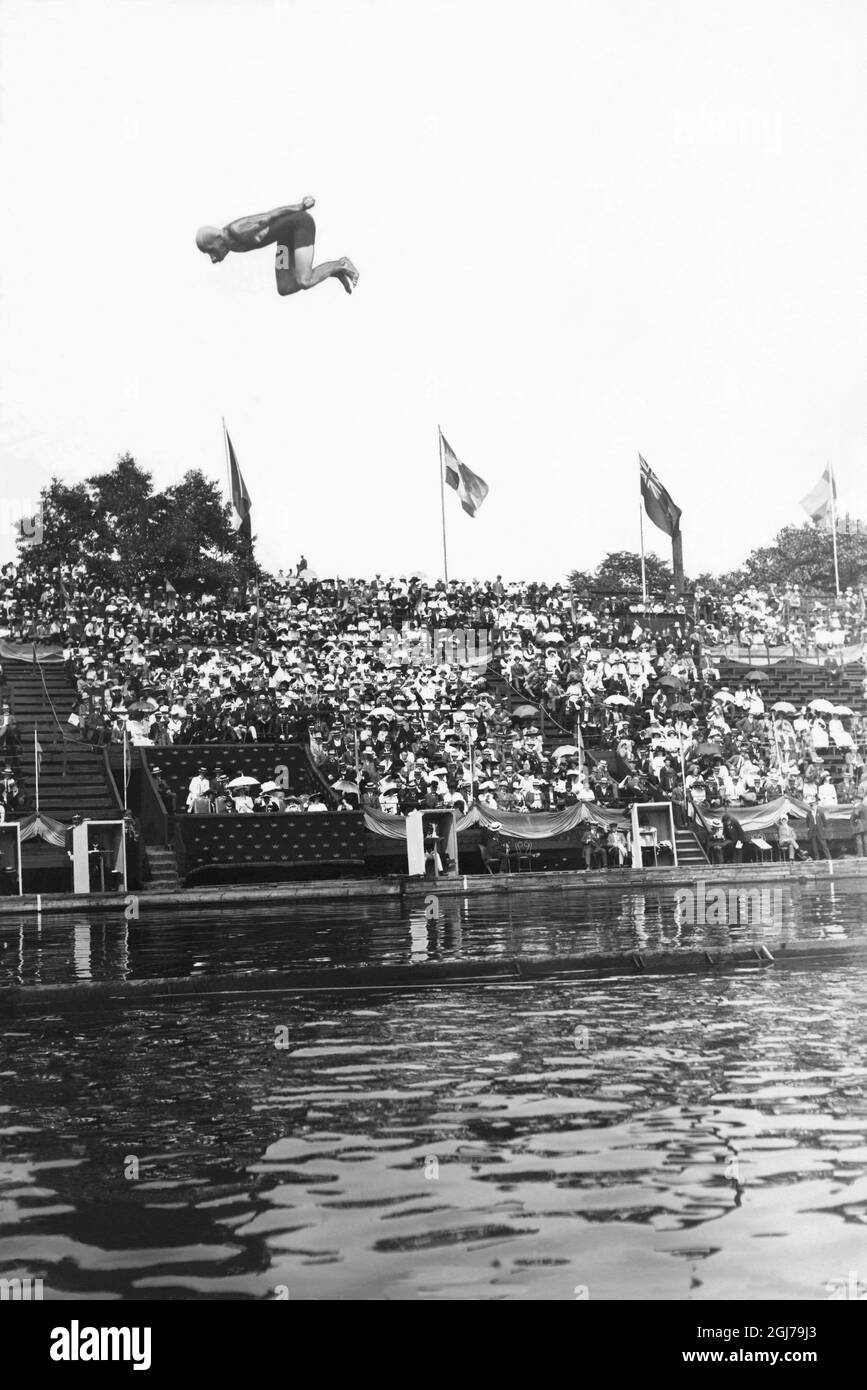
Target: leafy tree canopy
x: 621, y: 570
x: 804, y: 555
x: 130, y: 534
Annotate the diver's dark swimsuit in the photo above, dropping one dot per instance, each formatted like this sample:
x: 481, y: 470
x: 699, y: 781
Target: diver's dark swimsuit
x: 300, y: 227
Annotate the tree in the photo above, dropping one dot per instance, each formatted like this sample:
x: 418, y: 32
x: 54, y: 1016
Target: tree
x: 805, y: 555
x: 130, y: 534
x: 621, y: 570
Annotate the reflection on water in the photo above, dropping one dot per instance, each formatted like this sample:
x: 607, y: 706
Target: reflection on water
x: 553, y: 921
x: 677, y: 1137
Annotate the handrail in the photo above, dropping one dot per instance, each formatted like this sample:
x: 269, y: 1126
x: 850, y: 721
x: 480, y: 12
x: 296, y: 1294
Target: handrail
x: 695, y: 814
x: 153, y: 813
x: 64, y: 736
x: 513, y: 690
x: 109, y: 777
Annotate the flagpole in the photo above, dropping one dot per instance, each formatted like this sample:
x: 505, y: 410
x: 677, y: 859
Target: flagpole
x: 641, y: 532
x: 125, y: 765
x: 36, y: 766
x: 834, y: 525
x: 443, y: 504
x: 228, y: 465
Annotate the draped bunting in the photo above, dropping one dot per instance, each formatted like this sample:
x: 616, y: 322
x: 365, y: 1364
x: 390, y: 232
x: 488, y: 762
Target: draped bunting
x: 525, y: 825
x: 23, y: 651
x: 757, y: 818
x: 39, y: 827
x: 546, y: 825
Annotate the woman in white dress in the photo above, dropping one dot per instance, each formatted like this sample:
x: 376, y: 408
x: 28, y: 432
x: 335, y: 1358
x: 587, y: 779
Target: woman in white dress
x: 839, y: 737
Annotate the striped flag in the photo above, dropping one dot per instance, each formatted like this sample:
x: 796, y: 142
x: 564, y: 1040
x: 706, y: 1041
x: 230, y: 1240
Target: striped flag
x: 819, y: 503
x: 471, y: 489
x: 241, y: 504
x: 657, y: 501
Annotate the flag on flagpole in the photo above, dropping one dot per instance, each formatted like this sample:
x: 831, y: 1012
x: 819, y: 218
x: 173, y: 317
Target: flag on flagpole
x: 171, y: 594
x: 241, y: 503
x: 819, y: 503
x: 471, y: 489
x: 657, y: 501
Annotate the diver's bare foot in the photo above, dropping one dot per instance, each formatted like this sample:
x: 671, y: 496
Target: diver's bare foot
x: 347, y: 275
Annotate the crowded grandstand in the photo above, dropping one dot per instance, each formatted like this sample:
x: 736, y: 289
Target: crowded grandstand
x: 513, y: 697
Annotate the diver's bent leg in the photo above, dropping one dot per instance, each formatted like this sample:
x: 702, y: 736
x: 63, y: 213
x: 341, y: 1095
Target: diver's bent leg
x: 342, y: 270
x: 284, y: 269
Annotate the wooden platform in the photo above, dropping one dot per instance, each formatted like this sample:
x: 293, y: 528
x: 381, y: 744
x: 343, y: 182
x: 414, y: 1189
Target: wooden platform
x: 849, y: 870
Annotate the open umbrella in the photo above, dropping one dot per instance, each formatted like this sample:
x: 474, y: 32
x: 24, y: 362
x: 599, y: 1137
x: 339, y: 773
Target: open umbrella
x: 270, y: 787
x: 843, y: 709
x: 682, y: 708
x: 783, y: 707
x: 244, y: 782
x: 821, y: 706
x: 617, y: 700
x: 342, y: 786
x: 382, y: 711
x: 722, y: 695
x: 564, y: 750
x: 672, y: 683
x: 757, y: 676
x: 524, y: 711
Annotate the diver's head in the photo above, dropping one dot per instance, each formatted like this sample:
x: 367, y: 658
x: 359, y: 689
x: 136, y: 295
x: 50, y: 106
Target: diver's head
x: 212, y: 242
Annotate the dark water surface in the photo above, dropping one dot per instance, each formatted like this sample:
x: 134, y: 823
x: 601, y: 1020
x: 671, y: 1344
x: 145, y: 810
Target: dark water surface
x: 679, y: 1137
x: 67, y: 949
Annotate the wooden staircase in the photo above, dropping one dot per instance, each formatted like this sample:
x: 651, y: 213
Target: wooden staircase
x: 163, y: 870
x: 72, y: 776
x: 689, y: 848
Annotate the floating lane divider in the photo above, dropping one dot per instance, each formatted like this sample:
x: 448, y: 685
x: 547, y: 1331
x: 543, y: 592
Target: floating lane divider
x: 509, y: 970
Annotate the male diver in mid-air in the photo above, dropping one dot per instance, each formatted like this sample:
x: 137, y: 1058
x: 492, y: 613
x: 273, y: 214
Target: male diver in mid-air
x: 294, y: 231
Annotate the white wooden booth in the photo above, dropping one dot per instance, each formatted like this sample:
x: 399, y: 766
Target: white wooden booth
x: 432, y: 843
x: 652, y: 822
x: 10, y: 858
x: 98, y: 856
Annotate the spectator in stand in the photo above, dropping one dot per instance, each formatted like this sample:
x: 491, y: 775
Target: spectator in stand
x: 10, y: 741
x: 200, y: 786
x: 166, y: 794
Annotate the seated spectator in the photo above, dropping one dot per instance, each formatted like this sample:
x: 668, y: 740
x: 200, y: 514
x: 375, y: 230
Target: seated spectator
x: 617, y: 846
x: 786, y: 839
x: 200, y: 786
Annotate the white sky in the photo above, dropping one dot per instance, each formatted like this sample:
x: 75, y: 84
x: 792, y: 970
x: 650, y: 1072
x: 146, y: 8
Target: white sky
x: 582, y: 230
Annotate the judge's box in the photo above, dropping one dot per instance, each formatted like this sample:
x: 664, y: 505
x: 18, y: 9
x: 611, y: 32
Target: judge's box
x: 98, y: 857
x: 10, y: 859
x: 432, y: 844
